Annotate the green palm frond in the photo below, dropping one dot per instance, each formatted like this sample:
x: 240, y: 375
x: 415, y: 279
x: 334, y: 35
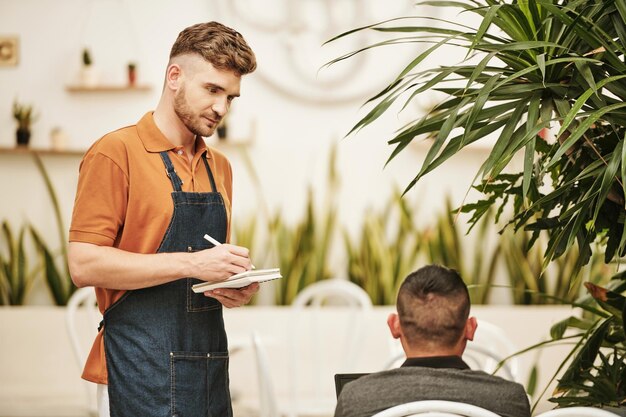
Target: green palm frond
x: 530, y: 65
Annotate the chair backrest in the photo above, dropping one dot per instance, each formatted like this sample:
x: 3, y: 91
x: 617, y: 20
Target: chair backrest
x: 268, y: 406
x: 435, y: 408
x: 83, y: 299
x: 309, y: 305
x: 81, y: 320
x: 333, y: 292
x: 489, y: 347
x: 577, y: 412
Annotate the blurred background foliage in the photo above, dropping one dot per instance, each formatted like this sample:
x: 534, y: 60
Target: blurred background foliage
x: 389, y: 244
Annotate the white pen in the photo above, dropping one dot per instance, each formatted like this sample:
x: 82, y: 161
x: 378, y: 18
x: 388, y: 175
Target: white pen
x: 217, y: 243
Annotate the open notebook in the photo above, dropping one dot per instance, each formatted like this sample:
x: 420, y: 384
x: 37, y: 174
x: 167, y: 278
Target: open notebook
x: 240, y: 280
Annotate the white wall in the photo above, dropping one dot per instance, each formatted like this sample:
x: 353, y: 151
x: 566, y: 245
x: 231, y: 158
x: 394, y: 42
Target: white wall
x: 291, y: 136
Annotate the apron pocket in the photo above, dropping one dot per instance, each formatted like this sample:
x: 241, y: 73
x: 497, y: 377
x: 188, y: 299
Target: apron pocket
x: 199, y: 301
x: 199, y: 384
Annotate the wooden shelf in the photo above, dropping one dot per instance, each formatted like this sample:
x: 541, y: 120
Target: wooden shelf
x: 24, y: 150
x: 107, y: 88
x: 229, y: 143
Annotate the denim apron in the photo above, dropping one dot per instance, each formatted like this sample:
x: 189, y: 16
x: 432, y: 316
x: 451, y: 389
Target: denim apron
x: 166, y: 348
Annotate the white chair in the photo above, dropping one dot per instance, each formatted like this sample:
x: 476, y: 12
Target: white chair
x: 81, y: 319
x: 319, y: 295
x: 490, y: 346
x: 577, y: 412
x: 432, y: 408
x: 333, y: 292
x: 323, y: 295
x: 268, y: 406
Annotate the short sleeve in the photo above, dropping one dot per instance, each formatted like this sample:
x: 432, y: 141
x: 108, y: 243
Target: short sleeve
x: 101, y: 200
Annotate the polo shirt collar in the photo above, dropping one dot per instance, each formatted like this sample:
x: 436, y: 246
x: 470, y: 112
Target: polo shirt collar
x: 155, y: 141
x: 437, y: 362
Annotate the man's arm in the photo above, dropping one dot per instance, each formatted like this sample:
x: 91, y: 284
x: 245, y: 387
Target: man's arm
x: 108, y: 267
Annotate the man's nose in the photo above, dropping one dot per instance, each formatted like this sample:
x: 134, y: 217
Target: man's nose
x: 220, y: 107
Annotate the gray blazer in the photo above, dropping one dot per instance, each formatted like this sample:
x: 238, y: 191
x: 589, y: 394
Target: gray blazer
x: 378, y: 391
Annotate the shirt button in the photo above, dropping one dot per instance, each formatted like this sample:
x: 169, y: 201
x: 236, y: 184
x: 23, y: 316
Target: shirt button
x: 180, y: 151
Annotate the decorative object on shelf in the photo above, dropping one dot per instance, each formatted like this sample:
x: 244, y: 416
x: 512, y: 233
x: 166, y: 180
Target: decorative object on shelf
x: 102, y: 88
x: 222, y: 129
x: 132, y: 73
x: 24, y: 116
x: 8, y: 51
x: 58, y: 139
x: 88, y: 73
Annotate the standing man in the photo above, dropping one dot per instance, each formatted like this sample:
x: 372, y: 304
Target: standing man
x: 433, y: 325
x: 146, y: 196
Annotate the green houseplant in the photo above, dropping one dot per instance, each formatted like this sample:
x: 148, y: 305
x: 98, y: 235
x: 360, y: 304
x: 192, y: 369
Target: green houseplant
x: 55, y: 268
x: 532, y: 69
x: 88, y: 74
x: 24, y: 116
x: 131, y: 72
x: 548, y: 63
x: 16, y: 275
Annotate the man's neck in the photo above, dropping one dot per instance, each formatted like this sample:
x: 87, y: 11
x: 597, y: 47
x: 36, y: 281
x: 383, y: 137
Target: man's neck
x: 431, y: 351
x: 173, y: 129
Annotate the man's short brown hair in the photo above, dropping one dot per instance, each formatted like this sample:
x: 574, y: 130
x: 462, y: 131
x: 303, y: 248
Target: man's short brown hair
x: 220, y: 45
x: 433, y: 305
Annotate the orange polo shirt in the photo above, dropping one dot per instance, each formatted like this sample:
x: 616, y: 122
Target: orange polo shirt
x: 124, y: 200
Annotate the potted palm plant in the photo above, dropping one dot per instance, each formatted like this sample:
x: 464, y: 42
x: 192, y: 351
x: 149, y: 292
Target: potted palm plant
x: 131, y: 70
x: 545, y: 80
x: 88, y: 73
x: 24, y: 116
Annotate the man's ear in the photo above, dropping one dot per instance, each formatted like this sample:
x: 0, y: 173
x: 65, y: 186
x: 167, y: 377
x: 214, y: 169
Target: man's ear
x: 470, y: 328
x: 173, y: 76
x: 393, y: 321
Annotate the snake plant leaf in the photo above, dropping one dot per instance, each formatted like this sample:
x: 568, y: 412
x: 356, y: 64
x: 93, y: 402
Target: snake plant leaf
x: 56, y: 284
x: 531, y: 385
x: 16, y: 279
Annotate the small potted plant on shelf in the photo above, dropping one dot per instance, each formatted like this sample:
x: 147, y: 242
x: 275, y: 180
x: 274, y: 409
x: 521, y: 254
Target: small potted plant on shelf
x: 24, y: 116
x: 88, y: 73
x: 132, y: 73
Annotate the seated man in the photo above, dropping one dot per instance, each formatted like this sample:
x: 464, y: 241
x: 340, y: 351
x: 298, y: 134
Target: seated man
x: 433, y: 325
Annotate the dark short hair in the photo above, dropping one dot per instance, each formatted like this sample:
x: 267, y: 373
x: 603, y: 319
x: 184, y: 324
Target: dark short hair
x: 433, y: 305
x: 220, y: 45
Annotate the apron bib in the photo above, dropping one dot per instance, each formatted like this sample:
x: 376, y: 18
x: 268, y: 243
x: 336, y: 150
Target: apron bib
x: 165, y: 346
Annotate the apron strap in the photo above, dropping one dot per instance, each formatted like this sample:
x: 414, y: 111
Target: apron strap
x: 208, y: 169
x: 175, y: 179
x: 171, y: 172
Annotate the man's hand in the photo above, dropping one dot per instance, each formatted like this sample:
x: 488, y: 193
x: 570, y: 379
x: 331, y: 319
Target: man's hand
x: 221, y: 262
x: 234, y: 297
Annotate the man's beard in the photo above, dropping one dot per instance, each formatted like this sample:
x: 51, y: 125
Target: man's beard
x: 189, y: 119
